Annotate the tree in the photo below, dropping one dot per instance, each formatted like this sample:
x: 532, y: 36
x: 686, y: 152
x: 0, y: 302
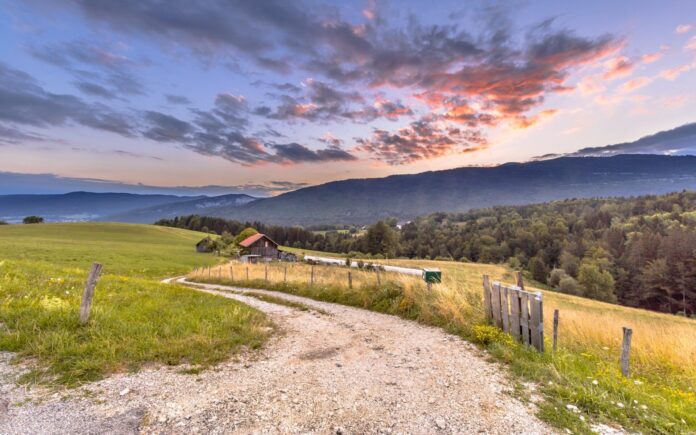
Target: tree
x: 538, y: 268
x: 570, y: 286
x: 3, y: 223
x: 33, y: 220
x: 596, y: 283
x: 382, y: 239
x: 245, y: 234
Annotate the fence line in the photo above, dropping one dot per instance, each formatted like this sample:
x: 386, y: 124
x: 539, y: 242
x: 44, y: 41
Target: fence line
x: 517, y: 312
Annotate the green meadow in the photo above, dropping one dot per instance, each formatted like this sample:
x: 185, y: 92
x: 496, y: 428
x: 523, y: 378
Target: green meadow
x: 135, y: 320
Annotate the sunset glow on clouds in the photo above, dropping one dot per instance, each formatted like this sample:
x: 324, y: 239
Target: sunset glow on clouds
x: 319, y: 91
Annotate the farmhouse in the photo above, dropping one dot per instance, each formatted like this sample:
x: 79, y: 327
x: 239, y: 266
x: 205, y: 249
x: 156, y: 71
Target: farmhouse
x: 260, y: 246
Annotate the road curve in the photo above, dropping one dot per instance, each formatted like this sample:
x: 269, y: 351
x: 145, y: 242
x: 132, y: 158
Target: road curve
x: 329, y: 369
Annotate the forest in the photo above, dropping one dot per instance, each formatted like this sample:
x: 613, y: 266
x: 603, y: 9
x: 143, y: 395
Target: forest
x: 638, y: 251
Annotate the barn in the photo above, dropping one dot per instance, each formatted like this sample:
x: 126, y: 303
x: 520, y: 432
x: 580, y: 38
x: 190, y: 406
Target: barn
x: 260, y: 246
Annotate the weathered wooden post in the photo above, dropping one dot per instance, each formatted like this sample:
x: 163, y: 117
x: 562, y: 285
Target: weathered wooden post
x: 311, y: 276
x: 231, y: 273
x: 247, y: 273
x: 285, y: 274
x: 520, y: 280
x: 379, y: 278
x: 350, y: 280
x: 625, y: 351
x: 265, y: 273
x: 555, y: 329
x: 487, y: 297
x: 87, y: 296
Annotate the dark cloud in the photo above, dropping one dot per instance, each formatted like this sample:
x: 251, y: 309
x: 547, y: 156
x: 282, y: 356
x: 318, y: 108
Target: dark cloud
x: 677, y: 141
x: 296, y: 153
x: 25, y: 102
x: 95, y: 90
x: 469, y: 80
x: 90, y: 63
x: 177, y: 99
x: 13, y: 136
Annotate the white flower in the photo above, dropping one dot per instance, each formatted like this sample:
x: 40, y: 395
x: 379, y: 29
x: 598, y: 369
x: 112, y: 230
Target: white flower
x: 619, y: 404
x: 595, y: 382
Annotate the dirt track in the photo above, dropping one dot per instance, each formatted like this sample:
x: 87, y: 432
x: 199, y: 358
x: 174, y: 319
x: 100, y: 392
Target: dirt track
x: 338, y: 369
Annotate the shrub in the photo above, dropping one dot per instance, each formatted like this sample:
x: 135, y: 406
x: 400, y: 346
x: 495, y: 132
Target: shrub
x: 556, y: 276
x: 488, y: 334
x: 569, y: 285
x: 33, y: 220
x: 3, y: 223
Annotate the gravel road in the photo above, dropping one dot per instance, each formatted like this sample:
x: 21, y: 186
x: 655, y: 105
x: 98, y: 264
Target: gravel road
x: 330, y: 369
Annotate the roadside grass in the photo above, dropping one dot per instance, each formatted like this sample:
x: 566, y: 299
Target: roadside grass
x: 584, y: 373
x: 135, y: 320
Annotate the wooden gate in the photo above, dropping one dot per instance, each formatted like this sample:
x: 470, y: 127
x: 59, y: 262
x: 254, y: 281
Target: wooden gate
x: 518, y: 312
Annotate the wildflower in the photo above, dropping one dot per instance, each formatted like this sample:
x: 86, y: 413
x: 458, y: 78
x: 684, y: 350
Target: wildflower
x: 637, y: 382
x: 643, y: 407
x: 595, y: 382
x: 619, y: 404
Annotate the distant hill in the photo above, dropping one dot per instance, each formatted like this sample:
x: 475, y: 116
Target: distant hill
x: 78, y: 206
x: 200, y: 206
x: 363, y: 201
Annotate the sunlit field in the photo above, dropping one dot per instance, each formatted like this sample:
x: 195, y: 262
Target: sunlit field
x: 135, y: 319
x: 583, y: 372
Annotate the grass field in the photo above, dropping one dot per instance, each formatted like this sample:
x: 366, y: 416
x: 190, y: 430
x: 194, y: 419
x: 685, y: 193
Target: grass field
x: 135, y: 319
x: 659, y: 397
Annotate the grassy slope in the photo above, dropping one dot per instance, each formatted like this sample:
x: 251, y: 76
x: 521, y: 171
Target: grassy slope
x: 584, y: 372
x: 135, y: 319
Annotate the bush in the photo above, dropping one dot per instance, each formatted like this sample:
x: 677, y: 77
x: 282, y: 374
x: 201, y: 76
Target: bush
x: 570, y: 286
x: 556, y: 276
x: 33, y: 220
x: 3, y: 223
x: 488, y: 334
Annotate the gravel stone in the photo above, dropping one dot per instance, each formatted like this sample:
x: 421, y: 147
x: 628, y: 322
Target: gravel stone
x: 332, y: 369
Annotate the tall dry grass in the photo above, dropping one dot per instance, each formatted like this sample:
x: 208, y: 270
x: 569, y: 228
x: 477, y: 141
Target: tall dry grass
x: 661, y: 342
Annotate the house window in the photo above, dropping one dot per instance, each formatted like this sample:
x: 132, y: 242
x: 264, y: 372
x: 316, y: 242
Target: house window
x: 267, y: 243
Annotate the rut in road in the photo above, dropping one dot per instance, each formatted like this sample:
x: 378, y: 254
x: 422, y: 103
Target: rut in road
x: 329, y: 369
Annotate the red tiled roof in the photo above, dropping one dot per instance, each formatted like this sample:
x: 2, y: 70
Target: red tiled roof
x: 253, y: 239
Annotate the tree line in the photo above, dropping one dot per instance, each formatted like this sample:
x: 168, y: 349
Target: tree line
x: 638, y: 251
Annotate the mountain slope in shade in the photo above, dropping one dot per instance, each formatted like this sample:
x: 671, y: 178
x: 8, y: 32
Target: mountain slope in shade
x: 78, y: 206
x: 200, y: 206
x: 406, y: 196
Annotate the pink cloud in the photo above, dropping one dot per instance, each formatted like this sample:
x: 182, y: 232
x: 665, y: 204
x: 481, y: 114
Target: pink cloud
x: 636, y: 83
x: 684, y: 28
x: 651, y: 57
x: 673, y: 73
x: 617, y: 67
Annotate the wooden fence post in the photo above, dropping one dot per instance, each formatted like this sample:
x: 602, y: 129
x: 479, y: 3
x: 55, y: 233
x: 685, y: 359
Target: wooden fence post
x: 285, y: 274
x: 555, y: 329
x: 487, y: 297
x: 265, y: 273
x: 231, y: 273
x: 87, y: 296
x: 350, y: 280
x: 379, y: 278
x: 247, y: 273
x: 625, y: 351
x: 311, y: 276
x: 520, y: 281
x: 505, y: 306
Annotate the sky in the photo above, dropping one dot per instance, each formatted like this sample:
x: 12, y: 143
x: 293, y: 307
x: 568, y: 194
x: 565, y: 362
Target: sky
x: 268, y: 96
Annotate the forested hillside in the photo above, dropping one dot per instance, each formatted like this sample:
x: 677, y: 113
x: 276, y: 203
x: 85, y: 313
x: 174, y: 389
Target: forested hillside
x: 638, y: 251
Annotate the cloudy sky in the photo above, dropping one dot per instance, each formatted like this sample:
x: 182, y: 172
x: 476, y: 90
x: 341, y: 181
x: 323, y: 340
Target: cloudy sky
x: 270, y: 95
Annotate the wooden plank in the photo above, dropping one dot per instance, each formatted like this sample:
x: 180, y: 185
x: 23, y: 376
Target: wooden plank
x: 350, y: 279
x: 536, y: 323
x: 514, y: 296
x: 524, y: 317
x: 505, y: 307
x: 487, y: 309
x: 495, y: 298
x: 88, y: 295
x: 626, y: 351
x: 541, y: 322
x: 520, y: 280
